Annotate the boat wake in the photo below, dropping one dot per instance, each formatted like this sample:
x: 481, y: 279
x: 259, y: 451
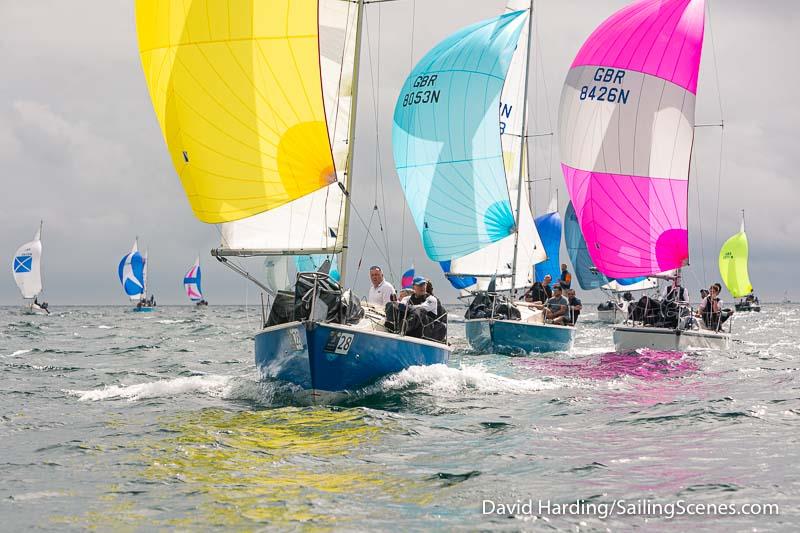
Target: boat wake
x: 212, y: 385
x: 442, y: 380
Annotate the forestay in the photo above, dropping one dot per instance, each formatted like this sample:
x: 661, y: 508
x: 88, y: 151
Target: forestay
x: 626, y: 127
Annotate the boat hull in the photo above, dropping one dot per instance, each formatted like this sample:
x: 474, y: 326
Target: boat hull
x: 334, y: 358
x: 631, y: 338
x: 610, y: 316
x: 513, y: 337
x: 34, y: 309
x: 756, y: 308
x: 143, y: 309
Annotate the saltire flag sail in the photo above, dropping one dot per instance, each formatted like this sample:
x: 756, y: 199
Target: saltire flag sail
x: 131, y: 273
x: 549, y: 228
x: 191, y: 282
x: 733, y: 265
x: 26, y: 267
x: 407, y: 281
x: 446, y: 139
x: 626, y: 127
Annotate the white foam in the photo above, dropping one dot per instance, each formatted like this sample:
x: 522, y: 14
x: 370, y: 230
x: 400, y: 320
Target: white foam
x: 441, y: 379
x: 105, y: 327
x: 168, y: 321
x: 211, y: 384
x: 18, y: 352
x: 34, y: 496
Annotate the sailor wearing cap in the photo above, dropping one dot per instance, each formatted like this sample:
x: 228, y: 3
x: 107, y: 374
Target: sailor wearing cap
x: 421, y: 299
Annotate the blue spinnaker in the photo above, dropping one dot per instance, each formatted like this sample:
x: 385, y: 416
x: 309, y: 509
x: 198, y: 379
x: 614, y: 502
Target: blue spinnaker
x: 588, y: 276
x: 131, y: 273
x: 446, y: 139
x: 583, y: 268
x: 549, y: 228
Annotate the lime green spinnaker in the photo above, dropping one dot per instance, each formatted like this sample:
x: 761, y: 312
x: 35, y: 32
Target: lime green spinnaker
x: 733, y: 265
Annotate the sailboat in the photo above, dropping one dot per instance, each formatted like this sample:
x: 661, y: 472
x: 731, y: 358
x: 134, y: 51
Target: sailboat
x: 132, y: 272
x: 27, y: 270
x: 458, y: 143
x: 786, y: 299
x: 257, y: 104
x: 191, y: 283
x: 626, y: 124
x: 615, y: 309
x: 733, y: 269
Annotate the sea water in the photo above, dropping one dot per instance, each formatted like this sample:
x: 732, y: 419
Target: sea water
x: 115, y: 420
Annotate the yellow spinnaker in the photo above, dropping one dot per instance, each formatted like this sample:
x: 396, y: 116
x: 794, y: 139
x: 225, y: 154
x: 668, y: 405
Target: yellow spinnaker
x: 733, y: 265
x: 237, y: 90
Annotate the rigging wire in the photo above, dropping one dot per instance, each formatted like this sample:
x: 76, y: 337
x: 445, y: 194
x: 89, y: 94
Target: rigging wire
x: 721, y: 120
x: 410, y: 68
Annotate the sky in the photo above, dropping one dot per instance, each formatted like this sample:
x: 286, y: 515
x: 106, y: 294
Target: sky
x: 81, y: 149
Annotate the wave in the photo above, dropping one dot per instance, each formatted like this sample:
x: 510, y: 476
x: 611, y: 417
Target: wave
x: 444, y: 380
x: 210, y: 384
x: 18, y: 353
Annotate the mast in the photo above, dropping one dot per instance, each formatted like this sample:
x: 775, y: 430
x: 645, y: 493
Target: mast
x: 523, y: 148
x: 351, y: 137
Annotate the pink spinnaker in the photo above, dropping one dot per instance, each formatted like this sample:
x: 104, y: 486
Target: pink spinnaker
x: 626, y: 127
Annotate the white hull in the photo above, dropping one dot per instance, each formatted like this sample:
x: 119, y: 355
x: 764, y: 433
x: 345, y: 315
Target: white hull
x: 630, y: 338
x: 33, y: 309
x: 610, y: 316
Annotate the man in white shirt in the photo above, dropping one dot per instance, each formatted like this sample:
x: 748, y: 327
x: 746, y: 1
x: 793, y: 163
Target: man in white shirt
x: 381, y: 291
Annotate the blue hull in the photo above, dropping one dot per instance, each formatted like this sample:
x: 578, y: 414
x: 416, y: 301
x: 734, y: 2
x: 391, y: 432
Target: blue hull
x: 336, y: 358
x: 143, y: 309
x: 514, y: 337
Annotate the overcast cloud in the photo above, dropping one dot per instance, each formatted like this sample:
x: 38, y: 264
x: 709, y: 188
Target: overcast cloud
x: 80, y: 146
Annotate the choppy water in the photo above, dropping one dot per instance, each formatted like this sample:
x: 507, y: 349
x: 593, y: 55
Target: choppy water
x: 115, y: 420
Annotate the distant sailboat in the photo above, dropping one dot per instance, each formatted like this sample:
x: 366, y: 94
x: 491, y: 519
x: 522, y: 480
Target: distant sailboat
x: 626, y: 129
x: 191, y: 282
x: 27, y: 270
x: 132, y: 272
x: 733, y: 268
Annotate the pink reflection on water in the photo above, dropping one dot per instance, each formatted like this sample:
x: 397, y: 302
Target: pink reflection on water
x: 647, y: 365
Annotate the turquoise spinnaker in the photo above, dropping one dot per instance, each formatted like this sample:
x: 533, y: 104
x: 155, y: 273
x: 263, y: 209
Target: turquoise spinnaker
x: 446, y: 139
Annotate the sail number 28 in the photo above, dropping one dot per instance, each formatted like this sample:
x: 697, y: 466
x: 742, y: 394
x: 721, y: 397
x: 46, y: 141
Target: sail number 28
x: 602, y: 93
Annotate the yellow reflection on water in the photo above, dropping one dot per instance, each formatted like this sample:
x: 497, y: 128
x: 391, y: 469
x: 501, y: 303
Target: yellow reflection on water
x: 283, y: 467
